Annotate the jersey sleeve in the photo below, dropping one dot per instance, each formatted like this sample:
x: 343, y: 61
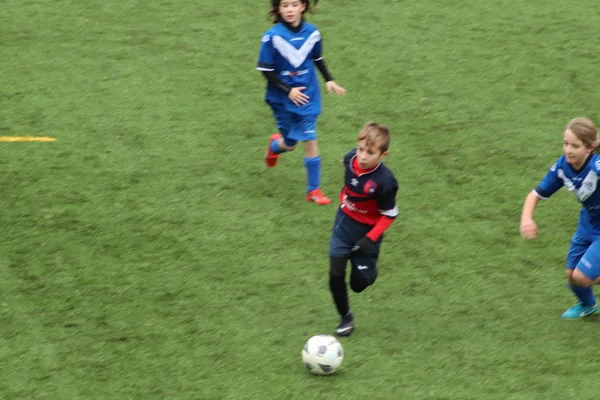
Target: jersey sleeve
x: 386, y: 200
x: 266, y: 56
x: 550, y: 184
x: 596, y: 167
x: 317, y: 52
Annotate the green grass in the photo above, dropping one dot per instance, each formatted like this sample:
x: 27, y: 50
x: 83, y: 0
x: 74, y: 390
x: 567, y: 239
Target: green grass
x: 147, y: 253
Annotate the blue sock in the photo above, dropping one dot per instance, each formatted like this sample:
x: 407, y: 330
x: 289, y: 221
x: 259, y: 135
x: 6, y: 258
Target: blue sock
x: 584, y: 294
x: 313, y: 172
x: 275, y: 147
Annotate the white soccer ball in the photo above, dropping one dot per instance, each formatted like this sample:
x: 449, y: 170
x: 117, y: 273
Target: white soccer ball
x: 322, y: 354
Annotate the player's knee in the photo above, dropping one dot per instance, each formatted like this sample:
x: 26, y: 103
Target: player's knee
x: 568, y: 274
x: 578, y: 278
x: 290, y: 144
x: 358, y: 284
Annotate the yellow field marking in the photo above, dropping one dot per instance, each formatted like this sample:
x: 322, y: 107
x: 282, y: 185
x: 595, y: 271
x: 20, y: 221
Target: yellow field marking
x: 26, y: 139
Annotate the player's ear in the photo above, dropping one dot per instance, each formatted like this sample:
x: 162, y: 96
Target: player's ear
x: 385, y: 153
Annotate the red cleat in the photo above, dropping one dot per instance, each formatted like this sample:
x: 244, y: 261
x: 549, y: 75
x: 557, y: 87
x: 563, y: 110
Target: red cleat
x: 271, y: 158
x: 316, y: 196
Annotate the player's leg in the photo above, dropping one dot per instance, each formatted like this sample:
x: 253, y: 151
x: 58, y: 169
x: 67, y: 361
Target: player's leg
x: 583, y: 263
x: 586, y: 275
x: 339, y: 292
x: 340, y: 246
x: 279, y: 142
x: 306, y: 131
x: 313, y: 175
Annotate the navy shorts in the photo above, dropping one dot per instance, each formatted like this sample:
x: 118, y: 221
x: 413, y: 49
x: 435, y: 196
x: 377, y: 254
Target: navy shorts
x: 345, y: 233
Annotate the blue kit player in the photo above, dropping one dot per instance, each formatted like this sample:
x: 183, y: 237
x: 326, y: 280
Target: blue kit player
x: 368, y: 208
x: 288, y: 55
x: 578, y: 171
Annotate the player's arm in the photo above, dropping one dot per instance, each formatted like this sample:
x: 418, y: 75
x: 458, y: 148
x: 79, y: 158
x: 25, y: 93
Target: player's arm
x: 266, y: 64
x: 528, y: 225
x: 294, y: 93
x: 389, y: 212
x: 547, y: 187
x: 322, y: 67
x: 274, y: 80
x: 329, y: 82
x: 366, y: 244
x: 380, y: 227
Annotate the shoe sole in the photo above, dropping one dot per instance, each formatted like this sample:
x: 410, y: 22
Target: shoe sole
x: 316, y: 201
x: 581, y: 315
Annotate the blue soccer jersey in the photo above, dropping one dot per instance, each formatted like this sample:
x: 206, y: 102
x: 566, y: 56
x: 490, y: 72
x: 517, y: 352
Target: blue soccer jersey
x: 291, y: 55
x: 582, y: 183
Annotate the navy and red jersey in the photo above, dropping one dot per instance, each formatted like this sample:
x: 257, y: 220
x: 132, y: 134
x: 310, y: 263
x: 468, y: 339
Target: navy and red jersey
x: 368, y: 196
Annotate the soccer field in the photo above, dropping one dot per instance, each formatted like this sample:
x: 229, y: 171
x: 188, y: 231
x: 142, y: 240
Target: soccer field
x: 147, y: 253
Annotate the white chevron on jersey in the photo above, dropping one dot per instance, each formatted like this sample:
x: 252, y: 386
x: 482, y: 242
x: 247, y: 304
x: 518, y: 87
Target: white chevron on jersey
x: 296, y: 56
x: 588, y: 185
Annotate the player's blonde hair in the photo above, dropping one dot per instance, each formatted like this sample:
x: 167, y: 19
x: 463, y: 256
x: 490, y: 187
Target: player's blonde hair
x: 585, y: 130
x: 375, y: 134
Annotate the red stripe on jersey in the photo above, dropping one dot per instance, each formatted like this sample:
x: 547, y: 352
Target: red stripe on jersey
x: 366, y: 212
x: 367, y: 219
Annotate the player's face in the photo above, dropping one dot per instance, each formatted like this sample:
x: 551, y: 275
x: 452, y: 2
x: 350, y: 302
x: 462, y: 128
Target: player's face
x: 291, y: 11
x: 575, y: 150
x: 368, y: 156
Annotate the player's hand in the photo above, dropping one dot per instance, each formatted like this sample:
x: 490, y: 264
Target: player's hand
x: 297, y: 97
x: 334, y: 87
x: 528, y: 229
x: 365, y: 247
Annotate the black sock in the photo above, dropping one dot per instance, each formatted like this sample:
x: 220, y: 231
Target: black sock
x: 337, y: 285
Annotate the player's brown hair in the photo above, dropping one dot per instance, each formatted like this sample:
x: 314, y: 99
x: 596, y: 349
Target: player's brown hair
x: 375, y: 134
x: 274, y: 13
x: 585, y: 130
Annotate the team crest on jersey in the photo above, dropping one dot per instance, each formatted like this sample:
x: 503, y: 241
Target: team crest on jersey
x: 597, y: 164
x: 265, y: 38
x: 370, y: 187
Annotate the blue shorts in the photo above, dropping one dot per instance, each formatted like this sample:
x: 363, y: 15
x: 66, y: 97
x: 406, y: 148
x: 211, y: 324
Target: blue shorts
x: 294, y: 127
x: 345, y: 233
x: 584, y: 255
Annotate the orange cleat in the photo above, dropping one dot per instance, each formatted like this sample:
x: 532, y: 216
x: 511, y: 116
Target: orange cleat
x: 316, y: 196
x: 271, y: 158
